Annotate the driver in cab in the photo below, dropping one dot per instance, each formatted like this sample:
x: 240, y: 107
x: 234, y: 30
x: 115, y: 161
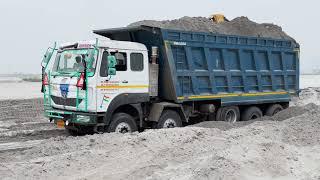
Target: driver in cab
x: 78, y: 64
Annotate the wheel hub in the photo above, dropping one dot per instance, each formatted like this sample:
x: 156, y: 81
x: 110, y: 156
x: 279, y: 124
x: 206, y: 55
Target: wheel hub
x: 231, y: 116
x: 254, y: 116
x: 123, y: 128
x: 276, y: 111
x: 169, y: 123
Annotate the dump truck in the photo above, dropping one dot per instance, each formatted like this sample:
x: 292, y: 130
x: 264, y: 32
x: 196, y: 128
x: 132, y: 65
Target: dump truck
x: 134, y: 78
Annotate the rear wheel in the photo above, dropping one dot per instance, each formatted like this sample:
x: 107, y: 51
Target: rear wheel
x: 169, y: 119
x: 251, y: 113
x: 123, y: 123
x: 229, y: 114
x: 273, y: 109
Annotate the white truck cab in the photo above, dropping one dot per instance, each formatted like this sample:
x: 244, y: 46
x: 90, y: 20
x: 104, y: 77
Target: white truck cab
x: 91, y: 78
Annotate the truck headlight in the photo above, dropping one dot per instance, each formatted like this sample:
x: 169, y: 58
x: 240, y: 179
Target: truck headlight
x: 84, y: 119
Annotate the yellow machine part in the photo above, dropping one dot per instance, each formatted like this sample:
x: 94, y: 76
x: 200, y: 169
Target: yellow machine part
x: 218, y: 18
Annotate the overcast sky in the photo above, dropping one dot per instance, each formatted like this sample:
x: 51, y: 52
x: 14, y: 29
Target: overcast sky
x: 28, y: 27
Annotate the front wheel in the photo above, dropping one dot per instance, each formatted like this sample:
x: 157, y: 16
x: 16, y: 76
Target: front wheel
x: 122, y: 123
x: 73, y: 132
x: 169, y: 119
x: 78, y: 130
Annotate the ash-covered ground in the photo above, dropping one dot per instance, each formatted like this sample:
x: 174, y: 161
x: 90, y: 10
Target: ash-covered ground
x: 286, y: 146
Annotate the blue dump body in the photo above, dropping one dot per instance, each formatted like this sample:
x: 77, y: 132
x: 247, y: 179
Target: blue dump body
x: 197, y: 66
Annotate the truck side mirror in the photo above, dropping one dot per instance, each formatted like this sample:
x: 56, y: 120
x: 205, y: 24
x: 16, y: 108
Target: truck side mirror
x: 112, y: 62
x: 112, y: 71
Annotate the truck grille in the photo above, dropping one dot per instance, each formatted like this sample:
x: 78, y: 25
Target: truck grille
x: 65, y: 102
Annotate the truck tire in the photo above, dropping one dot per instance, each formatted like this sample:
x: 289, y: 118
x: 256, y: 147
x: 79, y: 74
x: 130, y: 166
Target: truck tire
x: 228, y: 114
x: 79, y: 131
x: 73, y: 132
x: 251, y: 113
x: 169, y: 119
x: 122, y: 123
x: 273, y: 109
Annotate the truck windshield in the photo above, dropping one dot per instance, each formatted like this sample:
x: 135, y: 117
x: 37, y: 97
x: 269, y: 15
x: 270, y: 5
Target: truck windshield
x: 72, y: 61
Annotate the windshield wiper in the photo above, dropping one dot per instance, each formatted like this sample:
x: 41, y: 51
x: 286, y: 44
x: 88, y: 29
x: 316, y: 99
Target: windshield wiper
x: 61, y: 72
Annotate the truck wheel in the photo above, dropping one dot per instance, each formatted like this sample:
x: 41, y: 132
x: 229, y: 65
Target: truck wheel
x: 273, y: 109
x: 122, y: 123
x: 251, y: 113
x: 73, y: 132
x: 169, y: 119
x: 77, y: 132
x: 229, y: 114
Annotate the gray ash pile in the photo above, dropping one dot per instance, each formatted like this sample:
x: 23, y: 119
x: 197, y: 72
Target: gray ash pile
x: 241, y: 26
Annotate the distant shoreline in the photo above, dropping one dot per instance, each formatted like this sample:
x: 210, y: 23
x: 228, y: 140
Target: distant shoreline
x: 307, y: 74
x: 5, y: 78
x: 31, y: 80
x: 21, y: 81
x: 37, y: 78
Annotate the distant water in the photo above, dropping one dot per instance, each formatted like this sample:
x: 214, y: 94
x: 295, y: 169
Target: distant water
x: 20, y: 90
x: 10, y: 79
x: 309, y: 81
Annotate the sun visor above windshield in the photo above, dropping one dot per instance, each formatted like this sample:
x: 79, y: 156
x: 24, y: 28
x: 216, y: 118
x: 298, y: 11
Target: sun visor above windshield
x: 126, y: 33
x: 78, y: 45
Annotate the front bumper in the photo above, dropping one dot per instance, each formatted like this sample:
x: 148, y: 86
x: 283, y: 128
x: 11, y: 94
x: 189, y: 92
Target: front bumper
x: 72, y: 117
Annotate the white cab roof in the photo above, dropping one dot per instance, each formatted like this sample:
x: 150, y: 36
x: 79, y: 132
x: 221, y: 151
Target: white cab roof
x: 112, y: 44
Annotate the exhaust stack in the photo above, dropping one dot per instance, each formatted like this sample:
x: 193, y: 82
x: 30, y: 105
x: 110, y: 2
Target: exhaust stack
x: 154, y: 54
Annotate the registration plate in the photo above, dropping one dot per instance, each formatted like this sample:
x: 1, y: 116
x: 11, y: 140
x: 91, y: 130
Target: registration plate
x: 60, y: 124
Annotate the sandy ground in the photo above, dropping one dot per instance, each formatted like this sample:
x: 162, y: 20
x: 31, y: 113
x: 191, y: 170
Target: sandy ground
x: 286, y: 146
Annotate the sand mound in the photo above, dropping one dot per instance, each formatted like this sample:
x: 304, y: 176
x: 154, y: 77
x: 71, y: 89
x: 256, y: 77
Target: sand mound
x: 272, y: 149
x: 307, y: 96
x: 286, y: 146
x: 238, y: 26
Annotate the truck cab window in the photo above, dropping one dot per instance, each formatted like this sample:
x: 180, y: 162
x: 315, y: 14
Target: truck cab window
x: 136, y: 61
x: 121, y: 58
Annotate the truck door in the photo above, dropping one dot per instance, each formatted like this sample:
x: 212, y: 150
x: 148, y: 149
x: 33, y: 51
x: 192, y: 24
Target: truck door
x: 131, y: 77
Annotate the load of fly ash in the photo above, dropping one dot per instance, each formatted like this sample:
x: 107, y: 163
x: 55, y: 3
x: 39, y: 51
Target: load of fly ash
x: 239, y: 26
